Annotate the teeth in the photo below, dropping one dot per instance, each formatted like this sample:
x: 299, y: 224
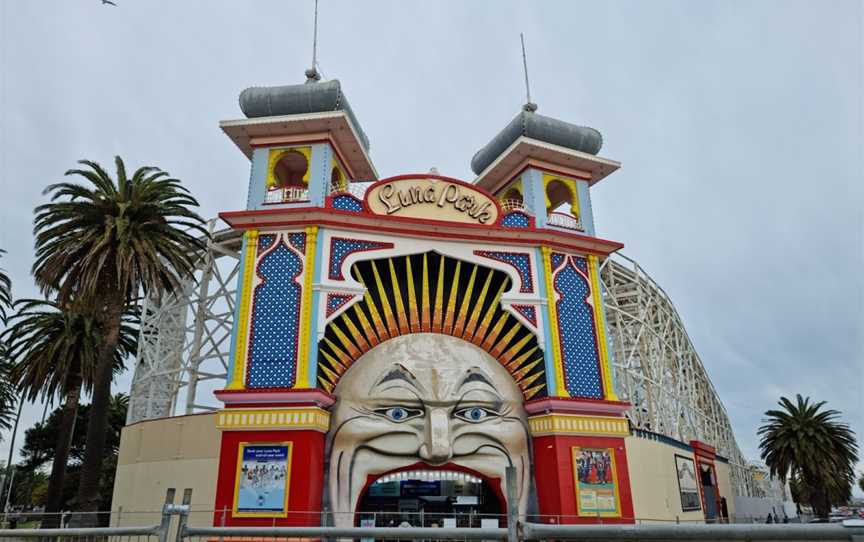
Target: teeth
x: 429, y: 476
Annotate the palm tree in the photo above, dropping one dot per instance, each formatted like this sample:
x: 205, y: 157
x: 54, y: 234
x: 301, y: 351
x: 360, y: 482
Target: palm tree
x: 8, y: 397
x: 109, y: 241
x: 811, y: 446
x: 55, y: 353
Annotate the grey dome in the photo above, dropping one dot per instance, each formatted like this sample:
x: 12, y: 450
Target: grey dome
x: 309, y: 97
x: 546, y: 129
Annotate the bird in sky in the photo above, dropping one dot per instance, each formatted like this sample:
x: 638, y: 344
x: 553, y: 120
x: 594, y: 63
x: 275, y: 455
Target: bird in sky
x: 108, y: 2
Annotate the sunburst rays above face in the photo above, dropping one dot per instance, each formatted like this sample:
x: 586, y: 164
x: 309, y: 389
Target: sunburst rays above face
x: 431, y: 293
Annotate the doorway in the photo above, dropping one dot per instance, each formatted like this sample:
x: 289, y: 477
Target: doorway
x: 430, y: 499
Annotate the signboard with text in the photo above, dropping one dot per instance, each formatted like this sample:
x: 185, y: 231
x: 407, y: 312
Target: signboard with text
x: 432, y: 198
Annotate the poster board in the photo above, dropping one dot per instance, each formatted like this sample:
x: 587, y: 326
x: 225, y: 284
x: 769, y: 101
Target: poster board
x: 688, y: 486
x: 262, y: 480
x: 596, y: 481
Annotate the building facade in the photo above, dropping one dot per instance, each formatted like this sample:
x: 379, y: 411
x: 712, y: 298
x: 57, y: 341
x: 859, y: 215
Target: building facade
x: 396, y: 348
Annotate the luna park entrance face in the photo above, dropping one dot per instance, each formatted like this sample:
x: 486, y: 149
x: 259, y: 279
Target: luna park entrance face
x: 433, y: 498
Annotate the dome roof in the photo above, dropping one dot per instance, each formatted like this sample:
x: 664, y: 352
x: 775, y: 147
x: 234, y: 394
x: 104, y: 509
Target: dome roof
x: 539, y: 127
x: 309, y: 97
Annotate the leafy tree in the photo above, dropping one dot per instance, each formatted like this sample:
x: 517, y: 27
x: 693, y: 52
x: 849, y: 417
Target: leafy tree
x: 8, y: 397
x: 861, y: 481
x: 108, y: 240
x: 810, y: 446
x: 38, y: 449
x: 55, y: 351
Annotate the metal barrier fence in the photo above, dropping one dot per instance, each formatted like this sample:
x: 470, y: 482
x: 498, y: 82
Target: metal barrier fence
x: 180, y: 531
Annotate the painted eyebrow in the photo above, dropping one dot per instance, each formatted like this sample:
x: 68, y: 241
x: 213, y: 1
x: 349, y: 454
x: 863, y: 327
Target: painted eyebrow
x: 475, y: 375
x: 399, y: 373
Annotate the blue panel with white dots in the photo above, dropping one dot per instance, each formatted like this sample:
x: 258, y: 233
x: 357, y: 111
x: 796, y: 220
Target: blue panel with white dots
x: 342, y: 248
x: 582, y: 264
x: 298, y: 241
x: 577, y: 331
x: 516, y: 219
x: 557, y: 259
x: 520, y: 260
x: 265, y: 241
x: 347, y: 202
x: 275, y: 321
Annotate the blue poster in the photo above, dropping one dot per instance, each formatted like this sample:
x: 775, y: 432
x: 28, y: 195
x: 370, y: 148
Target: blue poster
x: 263, y: 479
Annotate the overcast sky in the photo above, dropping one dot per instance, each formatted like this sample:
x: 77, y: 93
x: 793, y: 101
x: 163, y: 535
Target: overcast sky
x: 739, y: 126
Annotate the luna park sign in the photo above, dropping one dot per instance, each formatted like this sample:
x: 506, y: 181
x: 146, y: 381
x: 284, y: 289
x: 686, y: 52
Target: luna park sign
x: 432, y: 199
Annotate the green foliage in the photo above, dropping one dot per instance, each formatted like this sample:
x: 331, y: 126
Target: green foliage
x: 38, y: 451
x: 106, y: 241
x: 5, y: 293
x: 106, y: 236
x: 55, y: 347
x: 8, y: 397
x: 811, y: 448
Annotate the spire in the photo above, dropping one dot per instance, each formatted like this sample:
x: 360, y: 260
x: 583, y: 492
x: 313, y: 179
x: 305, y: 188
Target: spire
x: 529, y: 106
x: 312, y: 75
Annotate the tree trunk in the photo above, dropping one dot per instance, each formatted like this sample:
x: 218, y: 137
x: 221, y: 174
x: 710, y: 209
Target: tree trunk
x: 54, y: 499
x: 97, y: 424
x: 819, y: 495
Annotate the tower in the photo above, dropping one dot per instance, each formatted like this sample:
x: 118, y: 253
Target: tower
x: 541, y: 169
x: 305, y: 146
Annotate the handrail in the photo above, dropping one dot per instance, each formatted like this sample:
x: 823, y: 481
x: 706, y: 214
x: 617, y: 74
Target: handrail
x: 153, y: 530
x: 403, y: 533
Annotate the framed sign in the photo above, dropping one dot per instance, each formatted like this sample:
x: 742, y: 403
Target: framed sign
x: 596, y: 482
x: 687, y: 484
x: 263, y: 479
x: 432, y: 198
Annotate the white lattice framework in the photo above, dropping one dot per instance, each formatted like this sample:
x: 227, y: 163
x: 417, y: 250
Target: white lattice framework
x: 183, y: 348
x: 183, y: 353
x: 657, y: 368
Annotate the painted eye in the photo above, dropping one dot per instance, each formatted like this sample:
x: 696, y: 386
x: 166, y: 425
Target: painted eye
x: 398, y: 414
x: 474, y: 414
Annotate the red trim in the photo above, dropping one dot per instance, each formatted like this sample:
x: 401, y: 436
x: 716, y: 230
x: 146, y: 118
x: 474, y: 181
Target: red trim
x: 577, y: 405
x: 259, y: 397
x: 558, y: 239
x: 424, y: 176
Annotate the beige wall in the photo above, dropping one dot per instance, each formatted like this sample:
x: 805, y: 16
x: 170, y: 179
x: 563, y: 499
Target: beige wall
x: 180, y: 452
x: 724, y: 483
x: 654, y: 481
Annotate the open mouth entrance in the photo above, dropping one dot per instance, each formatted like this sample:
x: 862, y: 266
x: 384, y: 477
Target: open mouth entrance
x: 430, y: 498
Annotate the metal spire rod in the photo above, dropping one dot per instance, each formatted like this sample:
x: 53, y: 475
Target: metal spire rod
x: 315, y: 38
x: 529, y: 105
x: 312, y: 73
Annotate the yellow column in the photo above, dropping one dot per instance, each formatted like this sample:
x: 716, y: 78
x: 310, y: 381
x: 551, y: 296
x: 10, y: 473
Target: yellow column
x: 558, y: 365
x: 600, y: 322
x: 305, y: 327
x: 238, y: 380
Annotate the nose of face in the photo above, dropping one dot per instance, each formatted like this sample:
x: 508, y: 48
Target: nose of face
x: 437, y: 448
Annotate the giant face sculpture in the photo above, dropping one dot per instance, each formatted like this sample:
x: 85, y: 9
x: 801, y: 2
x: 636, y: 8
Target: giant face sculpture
x: 424, y: 398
